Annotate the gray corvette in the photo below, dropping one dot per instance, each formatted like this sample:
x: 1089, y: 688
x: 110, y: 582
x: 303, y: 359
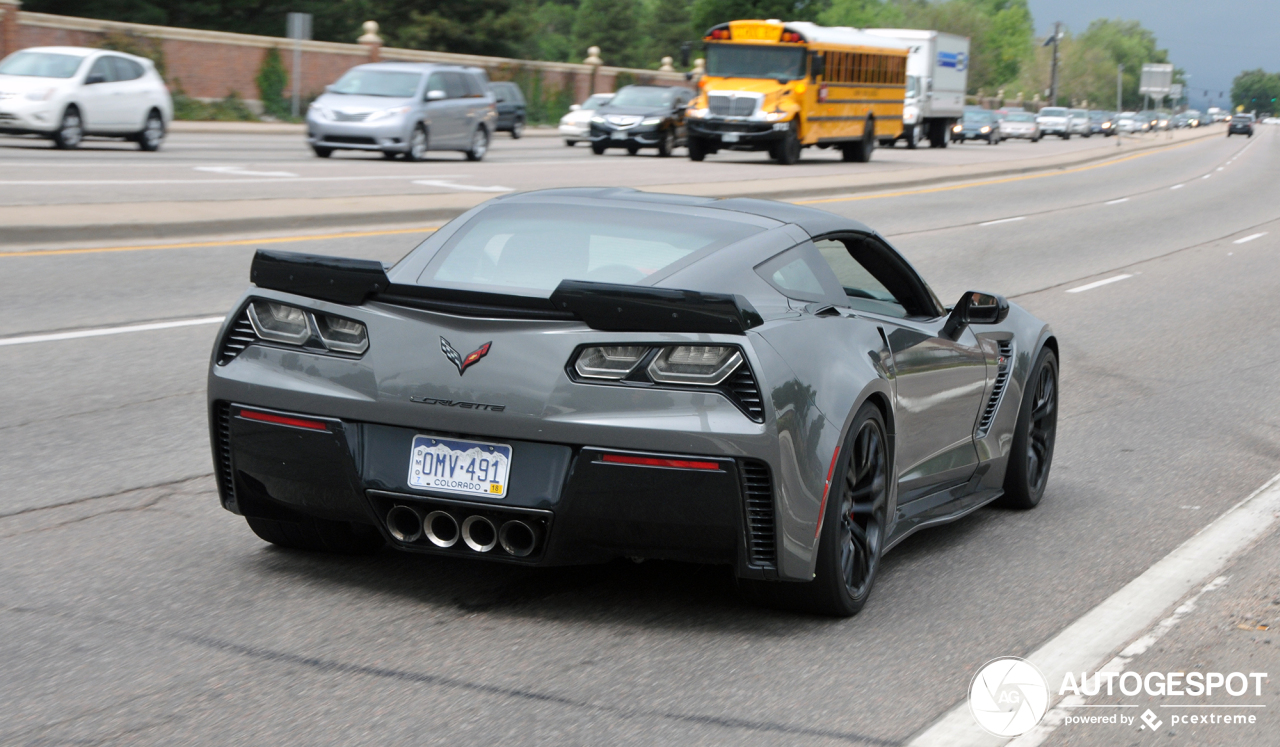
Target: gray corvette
x: 576, y: 375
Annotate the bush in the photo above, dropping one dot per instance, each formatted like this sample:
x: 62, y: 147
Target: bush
x: 271, y: 80
x: 229, y: 109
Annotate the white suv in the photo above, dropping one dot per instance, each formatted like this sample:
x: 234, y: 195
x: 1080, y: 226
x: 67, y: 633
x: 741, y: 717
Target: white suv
x: 65, y: 93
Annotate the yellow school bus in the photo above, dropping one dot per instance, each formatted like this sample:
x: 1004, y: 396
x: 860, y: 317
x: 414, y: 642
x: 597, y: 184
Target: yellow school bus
x: 780, y: 87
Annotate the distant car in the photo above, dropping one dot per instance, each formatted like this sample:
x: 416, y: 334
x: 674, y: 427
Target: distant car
x: 1131, y: 122
x: 404, y: 108
x: 640, y: 117
x: 1240, y: 124
x: 1152, y: 118
x: 1102, y: 123
x: 512, y: 113
x: 1080, y: 123
x: 976, y: 124
x: 1020, y: 125
x: 1270, y: 121
x: 1055, y: 120
x: 576, y: 125
x: 66, y: 93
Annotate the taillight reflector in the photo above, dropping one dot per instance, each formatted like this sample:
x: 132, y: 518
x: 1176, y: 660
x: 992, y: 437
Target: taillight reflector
x: 266, y: 417
x: 658, y: 462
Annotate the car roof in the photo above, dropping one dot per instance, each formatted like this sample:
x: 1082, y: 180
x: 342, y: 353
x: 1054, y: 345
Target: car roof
x: 416, y: 67
x: 813, y: 221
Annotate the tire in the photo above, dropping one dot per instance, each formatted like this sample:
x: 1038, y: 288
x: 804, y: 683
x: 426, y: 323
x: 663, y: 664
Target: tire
x: 419, y: 144
x: 517, y: 129
x: 1065, y: 136
x: 70, y: 131
x: 697, y: 149
x: 633, y: 150
x: 913, y: 136
x: 599, y: 148
x: 322, y: 152
x: 318, y: 535
x: 787, y: 150
x: 667, y: 145
x: 479, y: 144
x: 390, y: 155
x: 1031, y: 454
x: 571, y: 143
x: 853, y: 530
x: 151, y: 137
x: 860, y: 151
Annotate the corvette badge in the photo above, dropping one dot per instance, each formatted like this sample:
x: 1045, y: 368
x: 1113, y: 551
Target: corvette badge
x: 463, y: 363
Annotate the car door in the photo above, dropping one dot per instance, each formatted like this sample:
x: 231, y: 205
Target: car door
x: 939, y: 382
x: 100, y: 107
x: 133, y: 93
x: 678, y: 115
x: 477, y: 100
x: 445, y: 129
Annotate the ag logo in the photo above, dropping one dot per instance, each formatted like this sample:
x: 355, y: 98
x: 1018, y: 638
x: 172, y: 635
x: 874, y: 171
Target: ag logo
x: 1008, y: 696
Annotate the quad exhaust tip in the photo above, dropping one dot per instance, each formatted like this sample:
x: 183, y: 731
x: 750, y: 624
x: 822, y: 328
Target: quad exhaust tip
x: 441, y: 529
x: 479, y: 533
x: 404, y: 523
x: 518, y: 538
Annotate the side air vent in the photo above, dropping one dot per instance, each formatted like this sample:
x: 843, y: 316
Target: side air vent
x: 1004, y: 367
x: 757, y: 496
x: 226, y: 477
x: 239, y: 337
x: 741, y: 387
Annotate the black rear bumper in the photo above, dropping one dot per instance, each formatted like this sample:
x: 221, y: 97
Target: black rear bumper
x: 582, y: 508
x: 741, y: 135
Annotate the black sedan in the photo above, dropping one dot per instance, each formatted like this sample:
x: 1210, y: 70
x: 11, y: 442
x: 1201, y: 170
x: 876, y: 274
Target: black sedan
x: 1240, y: 124
x: 640, y: 117
x: 977, y: 125
x: 578, y: 375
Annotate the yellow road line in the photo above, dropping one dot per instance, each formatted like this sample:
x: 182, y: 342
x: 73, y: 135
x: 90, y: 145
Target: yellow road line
x: 986, y: 182
x: 200, y: 244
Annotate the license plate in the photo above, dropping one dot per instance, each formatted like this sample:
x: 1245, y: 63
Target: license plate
x: 729, y: 137
x: 466, y: 467
x: 621, y: 137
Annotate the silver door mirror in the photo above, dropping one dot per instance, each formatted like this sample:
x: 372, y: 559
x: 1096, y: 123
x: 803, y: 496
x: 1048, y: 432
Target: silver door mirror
x: 436, y: 95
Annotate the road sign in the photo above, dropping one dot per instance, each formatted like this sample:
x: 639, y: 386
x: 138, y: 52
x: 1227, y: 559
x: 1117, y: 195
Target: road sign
x: 298, y: 28
x: 1175, y: 91
x: 1157, y: 79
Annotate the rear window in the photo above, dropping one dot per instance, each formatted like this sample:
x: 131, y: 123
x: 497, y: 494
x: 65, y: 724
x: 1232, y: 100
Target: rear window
x: 979, y: 117
x: 1020, y: 117
x: 1053, y: 111
x: 529, y: 249
x: 40, y: 65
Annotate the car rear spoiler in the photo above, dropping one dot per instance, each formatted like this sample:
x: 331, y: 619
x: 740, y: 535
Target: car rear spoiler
x: 603, y: 306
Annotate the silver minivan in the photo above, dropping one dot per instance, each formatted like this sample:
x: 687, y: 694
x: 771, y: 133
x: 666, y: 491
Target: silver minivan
x: 404, y: 108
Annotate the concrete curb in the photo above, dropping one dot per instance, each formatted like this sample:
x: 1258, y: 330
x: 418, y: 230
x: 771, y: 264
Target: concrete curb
x: 42, y: 224
x: 289, y: 128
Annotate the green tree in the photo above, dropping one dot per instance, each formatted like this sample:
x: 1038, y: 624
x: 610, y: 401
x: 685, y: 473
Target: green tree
x: 613, y: 26
x: 1256, y: 90
x: 667, y: 25
x: 708, y: 13
x: 485, y: 27
x: 271, y: 80
x: 863, y: 14
x: 552, y: 38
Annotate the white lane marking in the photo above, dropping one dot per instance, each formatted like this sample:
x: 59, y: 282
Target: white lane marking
x: 103, y: 331
x: 241, y: 171
x: 1099, y: 283
x: 1250, y: 238
x: 1130, y: 612
x: 1220, y: 168
x: 1177, y: 186
x: 1003, y: 220
x: 1206, y: 176
x: 250, y: 180
x: 1117, y: 202
x: 462, y: 187
x: 1058, y: 714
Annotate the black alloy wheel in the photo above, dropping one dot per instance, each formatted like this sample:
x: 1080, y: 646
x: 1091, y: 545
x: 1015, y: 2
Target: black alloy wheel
x: 787, y: 150
x: 152, y: 135
x: 1031, y: 453
x: 667, y: 145
x: 697, y: 148
x: 70, y: 131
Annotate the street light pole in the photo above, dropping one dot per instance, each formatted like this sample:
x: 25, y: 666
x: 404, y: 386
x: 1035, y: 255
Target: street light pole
x: 1115, y: 124
x: 1053, y: 75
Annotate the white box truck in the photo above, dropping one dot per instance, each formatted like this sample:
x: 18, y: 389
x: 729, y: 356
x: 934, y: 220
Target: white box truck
x: 937, y: 80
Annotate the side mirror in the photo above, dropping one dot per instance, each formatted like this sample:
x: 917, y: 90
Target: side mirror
x: 95, y: 79
x: 328, y: 88
x: 975, y: 308
x: 574, y: 107
x: 436, y: 95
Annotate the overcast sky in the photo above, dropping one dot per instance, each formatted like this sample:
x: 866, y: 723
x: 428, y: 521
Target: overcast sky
x: 1213, y: 40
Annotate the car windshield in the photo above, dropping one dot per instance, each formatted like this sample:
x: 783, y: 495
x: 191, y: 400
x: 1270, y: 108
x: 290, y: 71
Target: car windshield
x: 359, y: 82
x: 528, y: 249
x: 913, y: 86
x: 1242, y: 118
x: 1053, y: 111
x: 596, y: 101
x: 743, y: 61
x: 1098, y: 116
x: 41, y: 65
x: 1019, y: 117
x: 977, y: 117
x: 643, y: 96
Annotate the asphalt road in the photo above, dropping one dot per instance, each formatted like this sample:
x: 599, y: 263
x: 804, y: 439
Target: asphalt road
x: 236, y: 167
x: 135, y: 609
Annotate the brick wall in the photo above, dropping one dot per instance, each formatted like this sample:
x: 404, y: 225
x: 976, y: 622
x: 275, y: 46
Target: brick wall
x: 212, y: 64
